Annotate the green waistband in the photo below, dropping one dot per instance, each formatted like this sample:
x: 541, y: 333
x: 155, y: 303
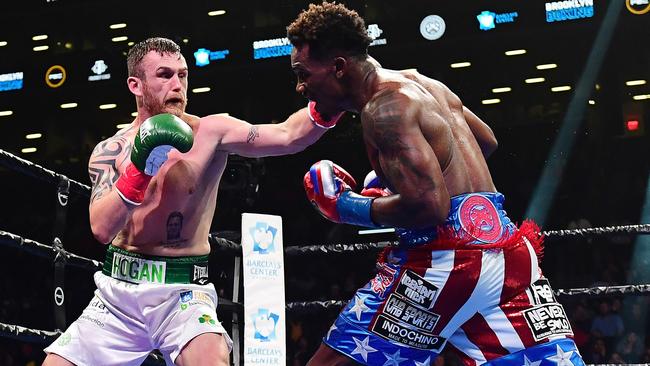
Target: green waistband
x: 139, y: 268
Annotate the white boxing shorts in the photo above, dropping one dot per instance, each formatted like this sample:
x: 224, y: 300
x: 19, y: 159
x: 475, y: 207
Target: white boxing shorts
x: 125, y: 321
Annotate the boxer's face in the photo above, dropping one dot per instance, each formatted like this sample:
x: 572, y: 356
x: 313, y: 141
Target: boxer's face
x: 316, y: 79
x: 164, y: 86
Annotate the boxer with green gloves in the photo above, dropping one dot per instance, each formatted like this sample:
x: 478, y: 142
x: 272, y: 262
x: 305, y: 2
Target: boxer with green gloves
x: 155, y: 138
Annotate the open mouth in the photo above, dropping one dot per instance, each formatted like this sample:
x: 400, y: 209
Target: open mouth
x: 174, y: 101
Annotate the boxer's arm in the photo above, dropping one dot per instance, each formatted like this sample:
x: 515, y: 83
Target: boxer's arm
x: 108, y: 212
x: 409, y: 164
x: 242, y: 138
x: 482, y: 132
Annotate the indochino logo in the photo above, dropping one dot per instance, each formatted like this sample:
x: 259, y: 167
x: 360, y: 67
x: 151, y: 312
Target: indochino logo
x: 480, y: 219
x: 265, y: 323
x: 263, y: 236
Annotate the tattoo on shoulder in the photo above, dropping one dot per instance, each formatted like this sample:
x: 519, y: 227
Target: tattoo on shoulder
x: 105, y: 159
x: 387, y: 125
x: 253, y: 133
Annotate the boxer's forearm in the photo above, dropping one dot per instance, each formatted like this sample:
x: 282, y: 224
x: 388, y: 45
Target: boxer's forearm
x: 108, y: 216
x: 300, y: 132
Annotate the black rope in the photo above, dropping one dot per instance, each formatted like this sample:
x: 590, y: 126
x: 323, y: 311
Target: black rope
x: 39, y: 336
x: 625, y: 229
x: 308, y: 306
x: 47, y: 251
x: 28, y: 335
x: 12, y: 161
x: 606, y: 290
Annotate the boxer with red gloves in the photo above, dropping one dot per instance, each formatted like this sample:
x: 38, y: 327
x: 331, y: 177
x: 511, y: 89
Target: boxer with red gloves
x: 463, y: 273
x: 329, y: 188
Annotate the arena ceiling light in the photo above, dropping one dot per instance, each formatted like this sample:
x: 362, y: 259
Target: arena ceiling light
x: 40, y: 37
x: 641, y: 97
x: 3, y: 43
x: 635, y: 82
x: 119, y: 39
x: 491, y: 101
x: 6, y: 113
x: 117, y: 26
x: 458, y: 65
x: 33, y: 136
x: 546, y: 66
x: 41, y: 48
x: 122, y: 125
x: 68, y: 105
x: 108, y: 106
x: 216, y: 12
x: 560, y: 88
x: 592, y: 102
x: 27, y: 150
x: 504, y: 89
x: 515, y: 52
x: 201, y: 90
x: 134, y: 114
x: 377, y: 231
x: 130, y: 43
x: 534, y: 80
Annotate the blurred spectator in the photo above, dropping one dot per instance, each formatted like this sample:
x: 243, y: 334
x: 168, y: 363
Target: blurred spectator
x: 630, y: 347
x: 597, y: 352
x: 606, y: 323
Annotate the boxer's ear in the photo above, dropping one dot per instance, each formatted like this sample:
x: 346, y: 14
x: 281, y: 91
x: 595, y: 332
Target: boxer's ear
x: 340, y: 66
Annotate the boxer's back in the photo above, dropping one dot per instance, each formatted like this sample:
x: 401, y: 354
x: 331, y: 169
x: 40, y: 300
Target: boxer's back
x: 460, y: 157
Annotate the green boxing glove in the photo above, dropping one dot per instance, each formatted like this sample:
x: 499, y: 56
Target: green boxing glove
x: 155, y: 138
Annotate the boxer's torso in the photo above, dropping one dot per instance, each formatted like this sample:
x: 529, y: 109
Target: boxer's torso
x: 175, y: 217
x: 459, y: 155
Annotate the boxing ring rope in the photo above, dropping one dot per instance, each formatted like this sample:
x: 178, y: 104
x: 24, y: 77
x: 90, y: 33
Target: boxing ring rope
x: 222, y: 245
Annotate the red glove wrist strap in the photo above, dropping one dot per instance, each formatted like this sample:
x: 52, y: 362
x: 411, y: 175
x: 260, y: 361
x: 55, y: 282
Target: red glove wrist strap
x: 132, y: 185
x: 318, y: 120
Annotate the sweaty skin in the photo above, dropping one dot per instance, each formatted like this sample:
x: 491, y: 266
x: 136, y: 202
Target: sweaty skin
x: 420, y: 139
x: 186, y: 185
x: 407, y: 112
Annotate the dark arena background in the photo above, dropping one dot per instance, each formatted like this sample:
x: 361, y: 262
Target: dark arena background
x: 566, y: 93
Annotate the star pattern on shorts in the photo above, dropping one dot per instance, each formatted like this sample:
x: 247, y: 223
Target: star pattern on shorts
x: 363, y: 348
x: 426, y: 362
x: 329, y: 332
x: 562, y: 358
x: 528, y: 362
x: 394, y: 359
x: 359, y: 307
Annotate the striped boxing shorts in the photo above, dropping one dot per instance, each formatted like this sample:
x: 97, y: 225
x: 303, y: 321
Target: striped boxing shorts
x: 473, y: 285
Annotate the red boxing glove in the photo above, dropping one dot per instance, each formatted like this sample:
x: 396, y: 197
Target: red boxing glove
x: 132, y: 184
x: 324, y: 182
x: 373, y: 187
x: 318, y: 120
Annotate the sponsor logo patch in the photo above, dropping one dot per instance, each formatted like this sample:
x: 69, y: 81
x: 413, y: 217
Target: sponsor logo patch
x: 542, y: 292
x: 200, y: 274
x: 383, y: 279
x: 480, y: 219
x: 409, y: 314
x: 397, y: 332
x: 547, y: 320
x: 416, y: 289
